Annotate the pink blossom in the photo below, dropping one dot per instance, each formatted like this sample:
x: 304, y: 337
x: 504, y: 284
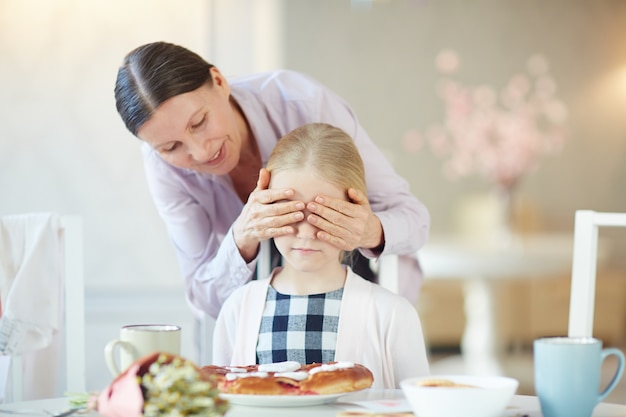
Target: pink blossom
x: 447, y: 61
x: 500, y: 135
x: 413, y: 140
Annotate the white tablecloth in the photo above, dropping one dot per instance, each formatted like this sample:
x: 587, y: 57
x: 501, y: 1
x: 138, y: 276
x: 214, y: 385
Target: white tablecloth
x: 520, y: 405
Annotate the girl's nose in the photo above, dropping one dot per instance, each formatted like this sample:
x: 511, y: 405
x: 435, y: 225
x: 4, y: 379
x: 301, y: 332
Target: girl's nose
x: 305, y: 230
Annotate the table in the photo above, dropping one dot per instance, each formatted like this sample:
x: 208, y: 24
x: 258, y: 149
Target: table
x: 519, y: 405
x: 481, y: 264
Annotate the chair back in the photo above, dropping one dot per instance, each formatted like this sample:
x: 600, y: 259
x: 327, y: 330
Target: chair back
x: 582, y: 296
x: 72, y: 323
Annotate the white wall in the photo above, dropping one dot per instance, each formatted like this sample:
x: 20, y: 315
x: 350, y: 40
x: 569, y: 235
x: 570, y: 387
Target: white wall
x: 62, y: 145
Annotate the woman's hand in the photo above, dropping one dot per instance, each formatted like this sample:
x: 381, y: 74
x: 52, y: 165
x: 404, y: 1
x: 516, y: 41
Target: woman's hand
x: 266, y: 214
x: 347, y: 225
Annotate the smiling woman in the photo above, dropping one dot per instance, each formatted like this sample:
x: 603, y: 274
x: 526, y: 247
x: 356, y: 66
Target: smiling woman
x: 205, y: 141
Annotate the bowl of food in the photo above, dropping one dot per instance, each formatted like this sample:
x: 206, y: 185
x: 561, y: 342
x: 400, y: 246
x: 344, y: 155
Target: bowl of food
x: 459, y: 395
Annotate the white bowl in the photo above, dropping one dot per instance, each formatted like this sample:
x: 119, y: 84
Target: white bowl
x: 489, y: 398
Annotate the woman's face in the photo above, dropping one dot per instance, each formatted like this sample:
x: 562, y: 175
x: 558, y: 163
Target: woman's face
x: 302, y: 250
x: 197, y: 130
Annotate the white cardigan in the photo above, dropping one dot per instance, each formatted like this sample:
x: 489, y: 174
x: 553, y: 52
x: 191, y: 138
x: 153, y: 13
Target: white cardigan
x: 377, y: 328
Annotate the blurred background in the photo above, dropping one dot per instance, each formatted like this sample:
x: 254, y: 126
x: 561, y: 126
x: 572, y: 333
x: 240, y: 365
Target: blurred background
x: 63, y: 147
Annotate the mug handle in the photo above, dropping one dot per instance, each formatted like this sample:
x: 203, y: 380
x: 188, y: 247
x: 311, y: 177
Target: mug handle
x: 109, y: 354
x: 618, y: 373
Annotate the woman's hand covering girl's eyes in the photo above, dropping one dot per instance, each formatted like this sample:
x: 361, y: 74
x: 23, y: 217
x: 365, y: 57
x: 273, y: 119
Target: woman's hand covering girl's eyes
x: 266, y: 214
x: 347, y: 225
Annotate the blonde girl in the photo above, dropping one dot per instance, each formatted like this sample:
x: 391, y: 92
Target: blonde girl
x: 315, y: 308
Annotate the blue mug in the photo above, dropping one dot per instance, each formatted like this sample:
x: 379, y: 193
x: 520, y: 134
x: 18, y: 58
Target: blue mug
x: 567, y: 375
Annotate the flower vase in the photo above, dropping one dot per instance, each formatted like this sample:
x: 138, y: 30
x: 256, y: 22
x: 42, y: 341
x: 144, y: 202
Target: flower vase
x: 486, y: 217
x: 504, y: 221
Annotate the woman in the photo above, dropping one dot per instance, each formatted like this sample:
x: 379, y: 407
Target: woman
x: 314, y: 308
x: 205, y: 142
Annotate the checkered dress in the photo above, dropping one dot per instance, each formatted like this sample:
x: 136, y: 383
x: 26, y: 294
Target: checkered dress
x: 301, y: 328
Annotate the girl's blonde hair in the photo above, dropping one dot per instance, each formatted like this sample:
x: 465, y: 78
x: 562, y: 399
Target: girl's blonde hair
x: 330, y: 151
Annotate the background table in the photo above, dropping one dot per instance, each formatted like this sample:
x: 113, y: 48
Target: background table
x: 481, y: 265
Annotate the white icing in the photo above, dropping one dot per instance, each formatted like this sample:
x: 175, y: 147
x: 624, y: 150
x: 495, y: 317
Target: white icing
x: 286, y: 370
x: 234, y: 375
x: 331, y: 367
x: 288, y: 366
x: 298, y: 376
x: 345, y: 365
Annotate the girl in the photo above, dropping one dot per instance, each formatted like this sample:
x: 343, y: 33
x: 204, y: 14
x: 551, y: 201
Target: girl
x: 315, y: 309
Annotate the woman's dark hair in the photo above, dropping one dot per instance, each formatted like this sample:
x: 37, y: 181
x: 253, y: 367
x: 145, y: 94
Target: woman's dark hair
x: 153, y: 73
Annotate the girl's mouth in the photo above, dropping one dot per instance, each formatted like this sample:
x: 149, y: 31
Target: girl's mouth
x: 304, y: 251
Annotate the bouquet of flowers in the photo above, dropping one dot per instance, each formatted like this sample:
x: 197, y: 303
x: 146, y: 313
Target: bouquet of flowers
x: 162, y: 385
x: 498, y: 134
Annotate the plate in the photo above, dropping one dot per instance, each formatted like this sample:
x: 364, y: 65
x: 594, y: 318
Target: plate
x: 281, y: 400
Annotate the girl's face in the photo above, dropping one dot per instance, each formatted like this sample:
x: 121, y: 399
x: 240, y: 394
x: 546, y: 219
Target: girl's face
x: 302, y: 250
x: 197, y: 130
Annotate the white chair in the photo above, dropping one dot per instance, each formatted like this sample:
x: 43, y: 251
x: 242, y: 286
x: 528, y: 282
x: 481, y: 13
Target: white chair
x: 582, y: 296
x: 73, y: 330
